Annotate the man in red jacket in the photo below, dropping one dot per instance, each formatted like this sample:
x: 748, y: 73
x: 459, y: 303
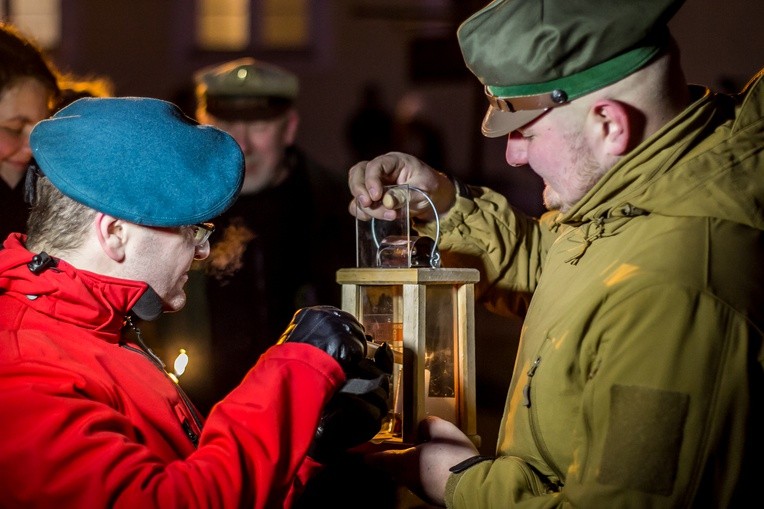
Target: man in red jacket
x: 120, y: 197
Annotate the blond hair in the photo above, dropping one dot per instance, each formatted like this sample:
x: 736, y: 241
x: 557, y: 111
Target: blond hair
x: 56, y: 223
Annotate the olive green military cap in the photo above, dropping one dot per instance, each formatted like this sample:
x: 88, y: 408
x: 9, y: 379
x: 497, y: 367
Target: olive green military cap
x: 246, y: 89
x: 532, y: 55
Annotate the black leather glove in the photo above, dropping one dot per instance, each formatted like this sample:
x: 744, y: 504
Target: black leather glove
x: 334, y: 331
x: 355, y: 413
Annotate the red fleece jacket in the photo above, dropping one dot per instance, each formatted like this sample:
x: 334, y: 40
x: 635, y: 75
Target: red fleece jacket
x: 90, y: 420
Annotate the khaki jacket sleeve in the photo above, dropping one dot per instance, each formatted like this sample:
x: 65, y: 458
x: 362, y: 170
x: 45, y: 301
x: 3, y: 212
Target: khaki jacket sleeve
x: 508, y: 247
x: 508, y: 479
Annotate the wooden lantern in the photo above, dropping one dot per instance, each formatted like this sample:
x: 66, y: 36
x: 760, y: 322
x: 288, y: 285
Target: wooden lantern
x: 427, y: 317
x: 403, y: 297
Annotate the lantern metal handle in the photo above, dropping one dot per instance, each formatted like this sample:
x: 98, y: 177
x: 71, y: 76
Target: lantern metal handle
x: 434, y: 254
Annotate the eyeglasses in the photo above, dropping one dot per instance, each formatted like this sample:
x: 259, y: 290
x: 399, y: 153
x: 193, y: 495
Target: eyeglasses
x: 201, y: 232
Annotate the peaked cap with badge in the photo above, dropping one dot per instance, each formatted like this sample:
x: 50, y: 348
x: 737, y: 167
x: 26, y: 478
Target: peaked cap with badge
x: 532, y: 55
x: 246, y: 89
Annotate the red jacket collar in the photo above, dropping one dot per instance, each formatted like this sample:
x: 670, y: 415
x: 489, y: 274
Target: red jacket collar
x: 86, y: 299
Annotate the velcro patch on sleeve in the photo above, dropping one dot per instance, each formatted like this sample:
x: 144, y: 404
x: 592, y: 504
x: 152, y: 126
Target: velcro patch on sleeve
x: 643, y: 439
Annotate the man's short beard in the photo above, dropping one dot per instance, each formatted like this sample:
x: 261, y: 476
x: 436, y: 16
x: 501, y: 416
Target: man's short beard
x: 585, y: 173
x: 552, y: 200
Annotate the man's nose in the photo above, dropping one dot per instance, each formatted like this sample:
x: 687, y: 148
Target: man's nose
x: 517, y: 149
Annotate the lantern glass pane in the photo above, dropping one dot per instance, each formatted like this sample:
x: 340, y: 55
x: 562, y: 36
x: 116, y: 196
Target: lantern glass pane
x: 382, y: 317
x: 441, y: 344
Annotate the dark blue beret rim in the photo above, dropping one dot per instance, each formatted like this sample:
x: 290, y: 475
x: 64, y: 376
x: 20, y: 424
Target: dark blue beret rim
x: 96, y: 202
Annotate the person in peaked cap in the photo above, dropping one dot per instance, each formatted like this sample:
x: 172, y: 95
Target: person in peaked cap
x: 284, y: 238
x: 639, y: 373
x: 122, y: 193
x: 246, y: 89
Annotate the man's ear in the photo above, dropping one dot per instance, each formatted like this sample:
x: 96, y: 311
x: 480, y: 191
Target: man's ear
x: 111, y: 236
x: 610, y: 128
x: 290, y: 128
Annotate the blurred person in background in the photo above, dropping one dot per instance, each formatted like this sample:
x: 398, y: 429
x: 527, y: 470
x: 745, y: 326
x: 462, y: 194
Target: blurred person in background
x: 369, y: 129
x: 416, y: 135
x: 284, y: 238
x: 29, y: 91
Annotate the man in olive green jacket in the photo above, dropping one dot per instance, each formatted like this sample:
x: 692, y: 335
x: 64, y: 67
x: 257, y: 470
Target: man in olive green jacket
x: 639, y: 376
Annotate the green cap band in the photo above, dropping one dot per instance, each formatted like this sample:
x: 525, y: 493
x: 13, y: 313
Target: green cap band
x: 594, y: 78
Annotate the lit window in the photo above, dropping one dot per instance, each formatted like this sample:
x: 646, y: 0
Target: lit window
x: 39, y: 19
x: 228, y: 25
x: 284, y: 24
x: 223, y: 24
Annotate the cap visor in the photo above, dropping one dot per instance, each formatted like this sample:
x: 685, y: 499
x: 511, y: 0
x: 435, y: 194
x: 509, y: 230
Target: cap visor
x: 498, y: 123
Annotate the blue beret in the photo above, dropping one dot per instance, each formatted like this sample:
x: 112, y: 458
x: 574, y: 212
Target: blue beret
x: 139, y: 159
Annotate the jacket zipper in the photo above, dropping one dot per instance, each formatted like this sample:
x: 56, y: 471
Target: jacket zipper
x: 533, y: 422
x: 146, y: 352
